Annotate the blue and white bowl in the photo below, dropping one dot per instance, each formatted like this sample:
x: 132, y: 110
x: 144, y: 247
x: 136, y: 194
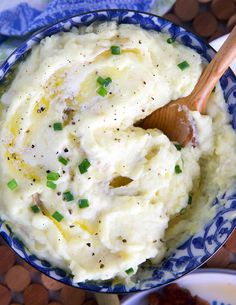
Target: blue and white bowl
x: 198, y: 248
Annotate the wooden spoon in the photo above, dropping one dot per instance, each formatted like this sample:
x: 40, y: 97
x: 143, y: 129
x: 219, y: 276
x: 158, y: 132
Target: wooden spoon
x: 174, y: 119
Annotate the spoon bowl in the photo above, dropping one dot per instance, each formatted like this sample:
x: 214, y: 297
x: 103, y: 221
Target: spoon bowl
x: 174, y: 119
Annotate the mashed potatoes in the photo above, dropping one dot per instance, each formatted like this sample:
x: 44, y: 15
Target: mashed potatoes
x: 80, y: 185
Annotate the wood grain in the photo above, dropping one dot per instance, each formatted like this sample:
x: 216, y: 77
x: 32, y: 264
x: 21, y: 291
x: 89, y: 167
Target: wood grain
x: 5, y: 295
x: 36, y: 294
x: 107, y: 299
x: 17, y: 278
x: 7, y: 260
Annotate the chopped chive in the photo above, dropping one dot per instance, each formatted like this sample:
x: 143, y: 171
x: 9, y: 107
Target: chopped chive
x: 56, y: 215
x: 129, y: 271
x: 170, y: 40
x: 12, y: 184
x: 190, y: 199
x: 104, y: 82
x: 53, y: 176
x: 51, y: 185
x: 57, y: 126
x: 35, y: 209
x: 68, y: 196
x: 183, y: 65
x: 178, y: 169
x: 83, y: 166
x: 102, y: 91
x: 178, y: 146
x: 63, y: 160
x: 101, y: 80
x: 115, y: 50
x: 108, y: 80
x: 83, y: 203
x: 183, y: 211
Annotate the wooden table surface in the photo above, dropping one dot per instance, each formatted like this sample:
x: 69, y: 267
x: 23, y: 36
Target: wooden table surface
x: 209, y: 19
x: 19, y: 282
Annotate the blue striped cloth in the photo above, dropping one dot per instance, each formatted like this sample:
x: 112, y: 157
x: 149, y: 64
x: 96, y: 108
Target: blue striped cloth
x: 24, y: 19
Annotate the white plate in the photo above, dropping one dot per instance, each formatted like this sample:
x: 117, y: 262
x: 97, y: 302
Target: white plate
x: 217, y: 286
x: 216, y: 44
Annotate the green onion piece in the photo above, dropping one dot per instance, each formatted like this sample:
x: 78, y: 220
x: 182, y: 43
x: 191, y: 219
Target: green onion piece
x: 183, y: 211
x: 178, y: 169
x: 190, y: 199
x: 101, y: 80
x: 35, y: 209
x: 57, y: 126
x: 53, y: 176
x: 178, y: 146
x: 12, y: 184
x: 51, y: 185
x: 129, y: 271
x: 170, y: 40
x: 183, y: 65
x: 83, y: 166
x: 83, y: 203
x: 108, y: 80
x: 68, y: 196
x: 104, y: 82
x: 56, y: 215
x: 102, y: 91
x: 115, y: 50
x: 63, y: 160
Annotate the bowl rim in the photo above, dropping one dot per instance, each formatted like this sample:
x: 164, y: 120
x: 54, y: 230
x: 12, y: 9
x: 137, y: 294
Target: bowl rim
x: 17, y: 60
x: 33, y: 34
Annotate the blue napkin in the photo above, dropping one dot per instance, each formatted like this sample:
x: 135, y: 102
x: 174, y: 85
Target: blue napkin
x: 24, y: 19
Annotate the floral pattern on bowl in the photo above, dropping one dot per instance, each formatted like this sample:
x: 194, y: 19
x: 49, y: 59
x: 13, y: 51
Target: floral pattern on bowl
x: 198, y: 248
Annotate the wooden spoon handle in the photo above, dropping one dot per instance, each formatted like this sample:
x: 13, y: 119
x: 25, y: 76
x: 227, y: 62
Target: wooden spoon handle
x: 213, y: 72
x: 107, y: 299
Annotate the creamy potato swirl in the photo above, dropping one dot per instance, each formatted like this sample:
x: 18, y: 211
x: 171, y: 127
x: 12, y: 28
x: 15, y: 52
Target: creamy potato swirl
x: 80, y: 184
